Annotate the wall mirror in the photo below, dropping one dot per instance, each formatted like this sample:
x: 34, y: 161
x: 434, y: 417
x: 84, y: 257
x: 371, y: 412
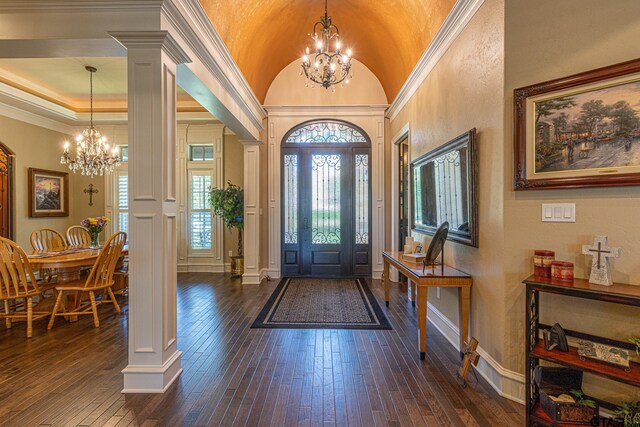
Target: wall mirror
x: 445, y: 188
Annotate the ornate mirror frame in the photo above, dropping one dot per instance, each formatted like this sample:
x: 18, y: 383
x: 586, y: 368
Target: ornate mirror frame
x: 467, y: 139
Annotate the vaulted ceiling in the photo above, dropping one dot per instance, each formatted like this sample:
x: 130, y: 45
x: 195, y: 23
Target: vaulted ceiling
x: 388, y: 36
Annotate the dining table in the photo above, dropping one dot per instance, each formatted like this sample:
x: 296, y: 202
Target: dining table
x: 68, y: 265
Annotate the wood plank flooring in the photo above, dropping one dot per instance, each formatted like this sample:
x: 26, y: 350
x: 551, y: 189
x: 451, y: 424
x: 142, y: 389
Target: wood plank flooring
x: 236, y: 376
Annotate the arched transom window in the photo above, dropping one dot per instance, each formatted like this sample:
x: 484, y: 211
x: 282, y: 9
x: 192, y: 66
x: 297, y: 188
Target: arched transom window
x: 326, y: 132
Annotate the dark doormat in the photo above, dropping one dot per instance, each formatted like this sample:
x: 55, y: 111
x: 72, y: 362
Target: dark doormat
x: 321, y: 303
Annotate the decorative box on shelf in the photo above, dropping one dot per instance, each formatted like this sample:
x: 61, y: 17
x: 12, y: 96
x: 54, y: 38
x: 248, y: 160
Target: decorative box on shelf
x: 416, y: 258
x: 555, y: 386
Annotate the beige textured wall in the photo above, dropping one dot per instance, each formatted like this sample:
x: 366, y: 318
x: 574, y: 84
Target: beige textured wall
x: 40, y: 148
x: 288, y: 88
x: 463, y: 91
x: 233, y: 172
x: 509, y: 44
x: 544, y: 40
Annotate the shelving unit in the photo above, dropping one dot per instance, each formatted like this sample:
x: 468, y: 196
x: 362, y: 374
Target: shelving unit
x: 535, y: 351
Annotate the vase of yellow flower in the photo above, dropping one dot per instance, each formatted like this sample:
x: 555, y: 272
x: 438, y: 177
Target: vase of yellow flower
x: 94, y: 226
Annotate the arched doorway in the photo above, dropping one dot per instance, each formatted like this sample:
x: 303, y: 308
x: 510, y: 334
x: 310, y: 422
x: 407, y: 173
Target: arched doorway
x: 326, y: 203
x: 7, y: 161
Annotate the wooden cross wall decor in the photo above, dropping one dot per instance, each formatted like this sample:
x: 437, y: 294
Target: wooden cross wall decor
x: 90, y: 191
x: 471, y: 357
x: 601, y: 253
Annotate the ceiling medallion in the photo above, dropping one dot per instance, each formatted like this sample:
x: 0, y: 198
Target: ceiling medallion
x: 93, y: 154
x: 326, y: 67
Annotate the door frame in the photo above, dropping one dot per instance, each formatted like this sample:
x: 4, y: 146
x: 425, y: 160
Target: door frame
x: 281, y: 119
x: 11, y: 209
x: 401, y: 135
x: 349, y: 150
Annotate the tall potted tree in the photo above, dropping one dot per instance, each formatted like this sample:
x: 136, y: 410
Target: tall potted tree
x: 228, y: 204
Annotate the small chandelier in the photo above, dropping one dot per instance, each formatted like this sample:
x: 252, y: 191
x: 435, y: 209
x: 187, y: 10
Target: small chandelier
x: 325, y: 67
x: 93, y: 154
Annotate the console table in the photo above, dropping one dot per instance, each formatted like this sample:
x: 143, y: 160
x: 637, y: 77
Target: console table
x: 446, y: 277
x: 535, y: 350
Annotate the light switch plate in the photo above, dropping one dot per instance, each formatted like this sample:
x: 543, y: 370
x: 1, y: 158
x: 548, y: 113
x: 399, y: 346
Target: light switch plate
x: 558, y: 212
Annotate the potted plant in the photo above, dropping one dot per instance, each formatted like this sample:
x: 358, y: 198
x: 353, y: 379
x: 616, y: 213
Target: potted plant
x: 629, y: 414
x: 228, y: 204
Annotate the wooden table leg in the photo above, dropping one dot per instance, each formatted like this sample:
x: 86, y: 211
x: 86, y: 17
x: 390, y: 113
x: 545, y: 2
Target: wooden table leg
x: 412, y: 286
x: 422, y: 320
x: 385, y: 281
x: 464, y: 302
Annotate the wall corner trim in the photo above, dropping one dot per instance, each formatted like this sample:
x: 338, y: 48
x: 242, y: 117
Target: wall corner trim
x: 452, y: 26
x: 506, y: 383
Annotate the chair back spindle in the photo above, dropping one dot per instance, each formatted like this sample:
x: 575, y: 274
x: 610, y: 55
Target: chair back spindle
x: 16, y: 275
x: 47, y: 240
x: 78, y: 236
x: 102, y: 272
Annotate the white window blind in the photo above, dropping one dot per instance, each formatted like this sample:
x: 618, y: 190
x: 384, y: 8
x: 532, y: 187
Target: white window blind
x: 122, y: 202
x: 200, y: 215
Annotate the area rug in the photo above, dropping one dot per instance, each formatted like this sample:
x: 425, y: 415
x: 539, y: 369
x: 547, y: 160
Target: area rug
x: 322, y: 303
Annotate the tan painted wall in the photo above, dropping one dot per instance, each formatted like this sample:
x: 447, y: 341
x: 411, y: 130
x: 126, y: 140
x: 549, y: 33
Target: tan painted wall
x: 41, y: 148
x: 233, y: 172
x: 549, y: 39
x: 463, y: 91
x: 288, y: 88
x: 472, y: 86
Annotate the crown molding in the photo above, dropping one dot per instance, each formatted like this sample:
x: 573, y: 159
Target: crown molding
x: 311, y: 110
x: 194, y: 26
x: 453, y: 25
x: 22, y: 6
x: 35, y: 119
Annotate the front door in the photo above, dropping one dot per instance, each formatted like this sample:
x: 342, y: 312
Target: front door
x: 326, y: 210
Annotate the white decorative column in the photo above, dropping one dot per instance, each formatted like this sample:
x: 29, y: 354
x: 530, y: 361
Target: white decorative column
x: 251, y: 238
x: 154, y: 359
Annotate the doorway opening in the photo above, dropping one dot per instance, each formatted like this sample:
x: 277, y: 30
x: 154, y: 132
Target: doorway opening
x: 7, y: 160
x: 326, y: 203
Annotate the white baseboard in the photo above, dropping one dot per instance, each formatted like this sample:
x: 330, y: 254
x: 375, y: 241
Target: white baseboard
x: 152, y: 379
x: 376, y: 274
x: 507, y: 383
x: 204, y: 268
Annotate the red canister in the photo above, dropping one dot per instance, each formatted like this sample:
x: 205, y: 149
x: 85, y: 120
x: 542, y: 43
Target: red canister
x: 542, y: 262
x: 562, y: 270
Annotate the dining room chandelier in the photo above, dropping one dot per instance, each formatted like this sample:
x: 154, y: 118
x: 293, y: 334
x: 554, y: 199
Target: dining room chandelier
x: 93, y: 154
x: 324, y: 66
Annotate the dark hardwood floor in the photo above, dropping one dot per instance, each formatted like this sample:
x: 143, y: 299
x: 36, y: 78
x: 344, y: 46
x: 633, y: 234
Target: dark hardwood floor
x: 234, y: 375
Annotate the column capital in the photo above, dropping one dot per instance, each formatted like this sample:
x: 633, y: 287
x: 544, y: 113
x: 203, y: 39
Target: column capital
x: 150, y: 39
x: 249, y: 142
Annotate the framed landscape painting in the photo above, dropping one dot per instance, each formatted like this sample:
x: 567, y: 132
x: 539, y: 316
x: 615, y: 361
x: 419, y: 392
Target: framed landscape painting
x: 579, y: 131
x: 48, y: 193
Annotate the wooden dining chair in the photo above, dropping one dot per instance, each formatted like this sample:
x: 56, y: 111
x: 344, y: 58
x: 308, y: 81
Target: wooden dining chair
x: 78, y: 236
x: 47, y: 240
x: 17, y: 282
x: 98, y: 282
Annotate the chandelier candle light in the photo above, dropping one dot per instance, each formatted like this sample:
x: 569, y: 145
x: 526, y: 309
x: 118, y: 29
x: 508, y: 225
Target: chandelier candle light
x: 93, y: 154
x: 326, y: 67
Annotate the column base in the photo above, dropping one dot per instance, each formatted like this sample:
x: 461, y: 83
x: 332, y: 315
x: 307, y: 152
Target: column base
x: 152, y: 379
x: 251, y: 278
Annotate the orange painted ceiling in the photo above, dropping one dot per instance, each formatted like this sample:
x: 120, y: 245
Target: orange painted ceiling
x: 388, y: 36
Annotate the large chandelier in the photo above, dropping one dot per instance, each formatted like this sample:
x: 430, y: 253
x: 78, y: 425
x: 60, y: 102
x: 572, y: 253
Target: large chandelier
x: 326, y: 67
x: 93, y: 154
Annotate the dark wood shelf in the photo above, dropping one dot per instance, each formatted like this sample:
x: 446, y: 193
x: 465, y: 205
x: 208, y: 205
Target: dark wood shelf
x: 572, y: 359
x: 620, y: 293
x: 542, y: 416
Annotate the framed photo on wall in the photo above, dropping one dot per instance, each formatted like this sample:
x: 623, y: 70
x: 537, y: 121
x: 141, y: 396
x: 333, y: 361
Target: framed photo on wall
x: 579, y: 131
x: 48, y: 193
